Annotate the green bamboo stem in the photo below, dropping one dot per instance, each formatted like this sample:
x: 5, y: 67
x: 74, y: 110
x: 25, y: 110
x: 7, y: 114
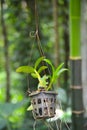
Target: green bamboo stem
x: 75, y: 64
x: 75, y: 7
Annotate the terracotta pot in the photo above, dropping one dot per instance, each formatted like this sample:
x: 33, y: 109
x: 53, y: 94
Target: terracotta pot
x: 44, y: 104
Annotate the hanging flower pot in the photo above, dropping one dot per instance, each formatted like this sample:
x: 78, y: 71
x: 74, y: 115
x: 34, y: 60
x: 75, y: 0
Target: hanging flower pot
x: 43, y: 102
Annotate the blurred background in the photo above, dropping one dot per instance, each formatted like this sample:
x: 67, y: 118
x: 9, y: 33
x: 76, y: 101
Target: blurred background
x: 18, y: 46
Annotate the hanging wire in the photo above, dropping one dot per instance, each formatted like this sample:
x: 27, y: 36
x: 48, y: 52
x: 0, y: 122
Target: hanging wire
x: 32, y: 35
x: 37, y: 31
x: 35, y: 36
x: 48, y: 125
x: 38, y: 38
x: 57, y: 125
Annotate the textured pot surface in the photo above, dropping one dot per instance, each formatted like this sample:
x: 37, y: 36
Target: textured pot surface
x: 44, y: 104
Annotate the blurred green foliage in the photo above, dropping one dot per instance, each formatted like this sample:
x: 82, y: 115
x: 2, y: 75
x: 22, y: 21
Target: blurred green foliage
x: 19, y: 16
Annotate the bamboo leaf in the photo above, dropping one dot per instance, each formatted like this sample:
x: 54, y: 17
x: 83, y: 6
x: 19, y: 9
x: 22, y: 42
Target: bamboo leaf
x: 38, y: 62
x: 42, y: 68
x: 25, y: 69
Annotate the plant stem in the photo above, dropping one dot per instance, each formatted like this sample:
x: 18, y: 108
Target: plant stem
x: 39, y: 77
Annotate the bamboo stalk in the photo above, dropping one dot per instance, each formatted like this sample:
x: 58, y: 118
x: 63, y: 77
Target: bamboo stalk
x: 75, y: 14
x: 75, y: 64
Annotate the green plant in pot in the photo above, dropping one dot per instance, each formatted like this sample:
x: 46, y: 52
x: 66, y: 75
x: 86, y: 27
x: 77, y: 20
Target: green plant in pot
x: 43, y: 101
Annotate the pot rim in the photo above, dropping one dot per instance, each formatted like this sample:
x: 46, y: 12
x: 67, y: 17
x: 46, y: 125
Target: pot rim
x: 45, y: 92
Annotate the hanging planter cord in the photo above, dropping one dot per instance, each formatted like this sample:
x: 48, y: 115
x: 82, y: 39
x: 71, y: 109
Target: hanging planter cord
x: 35, y: 35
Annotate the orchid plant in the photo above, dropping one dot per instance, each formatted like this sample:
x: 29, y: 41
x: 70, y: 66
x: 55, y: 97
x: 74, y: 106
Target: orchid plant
x: 36, y: 71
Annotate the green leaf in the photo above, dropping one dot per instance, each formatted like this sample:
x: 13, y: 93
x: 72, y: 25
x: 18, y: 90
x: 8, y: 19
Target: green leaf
x: 38, y: 62
x: 25, y: 69
x: 30, y: 108
x: 61, y: 71
x: 58, y: 71
x: 59, y: 67
x: 34, y: 75
x: 57, y: 74
x: 49, y: 62
x: 42, y: 68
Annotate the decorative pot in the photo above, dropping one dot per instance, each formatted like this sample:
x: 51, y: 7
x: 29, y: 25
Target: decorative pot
x: 44, y: 104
